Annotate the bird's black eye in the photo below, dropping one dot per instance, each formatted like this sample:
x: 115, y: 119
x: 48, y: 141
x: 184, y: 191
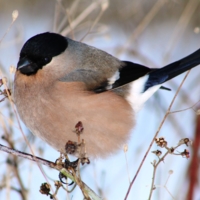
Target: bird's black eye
x: 42, y: 61
x: 47, y: 59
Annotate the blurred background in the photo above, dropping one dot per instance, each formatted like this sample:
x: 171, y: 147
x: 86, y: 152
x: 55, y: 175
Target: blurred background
x: 150, y: 32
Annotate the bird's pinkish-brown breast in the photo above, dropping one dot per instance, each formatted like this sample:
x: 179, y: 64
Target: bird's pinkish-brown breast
x: 52, y: 111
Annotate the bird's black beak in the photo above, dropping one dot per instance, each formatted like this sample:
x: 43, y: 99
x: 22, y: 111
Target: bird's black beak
x: 26, y: 66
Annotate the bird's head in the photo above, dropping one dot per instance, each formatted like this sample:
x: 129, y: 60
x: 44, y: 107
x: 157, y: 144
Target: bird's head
x: 39, y: 50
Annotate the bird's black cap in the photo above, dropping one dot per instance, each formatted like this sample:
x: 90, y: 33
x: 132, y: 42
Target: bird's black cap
x: 39, y: 50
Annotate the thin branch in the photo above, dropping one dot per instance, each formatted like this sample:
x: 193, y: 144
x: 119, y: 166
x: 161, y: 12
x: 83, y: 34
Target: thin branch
x: 86, y: 189
x: 69, y: 11
x: 159, y: 128
x: 185, y: 108
x: 53, y: 165
x: 82, y: 16
x: 104, y: 7
x: 180, y: 27
x: 143, y: 24
x: 29, y: 157
x: 155, y: 166
x: 15, y: 165
x: 19, y: 124
x: 14, y: 17
x: 127, y: 168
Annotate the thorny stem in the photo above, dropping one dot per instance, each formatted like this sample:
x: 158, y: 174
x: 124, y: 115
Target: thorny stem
x: 159, y: 128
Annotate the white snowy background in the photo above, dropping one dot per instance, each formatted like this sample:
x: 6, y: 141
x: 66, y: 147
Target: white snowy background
x: 147, y: 32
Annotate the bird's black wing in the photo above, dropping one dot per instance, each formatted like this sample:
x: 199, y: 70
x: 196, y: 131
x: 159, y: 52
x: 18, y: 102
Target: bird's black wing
x: 132, y: 71
x: 127, y: 73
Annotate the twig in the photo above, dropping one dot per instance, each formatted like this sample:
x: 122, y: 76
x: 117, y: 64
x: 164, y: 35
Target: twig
x: 159, y: 128
x: 180, y: 27
x: 81, y: 17
x: 15, y: 165
x: 66, y: 12
x: 104, y: 6
x: 185, y: 108
x: 30, y: 157
x: 155, y: 165
x: 86, y: 189
x: 165, y: 186
x: 127, y: 168
x: 56, y: 13
x: 19, y: 124
x: 14, y: 17
x: 53, y: 165
x: 143, y: 24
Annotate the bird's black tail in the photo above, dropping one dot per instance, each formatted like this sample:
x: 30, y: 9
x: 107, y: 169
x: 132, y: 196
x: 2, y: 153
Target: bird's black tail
x: 168, y: 72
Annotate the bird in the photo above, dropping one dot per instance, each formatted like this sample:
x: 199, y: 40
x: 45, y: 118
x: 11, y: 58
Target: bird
x: 59, y: 82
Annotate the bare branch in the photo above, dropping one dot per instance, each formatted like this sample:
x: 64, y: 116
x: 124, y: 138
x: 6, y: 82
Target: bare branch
x: 159, y: 128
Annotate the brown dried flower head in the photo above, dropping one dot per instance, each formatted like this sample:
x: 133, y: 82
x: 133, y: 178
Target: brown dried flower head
x: 161, y: 142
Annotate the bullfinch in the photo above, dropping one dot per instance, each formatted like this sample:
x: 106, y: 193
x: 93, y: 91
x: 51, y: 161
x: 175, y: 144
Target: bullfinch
x: 59, y: 82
